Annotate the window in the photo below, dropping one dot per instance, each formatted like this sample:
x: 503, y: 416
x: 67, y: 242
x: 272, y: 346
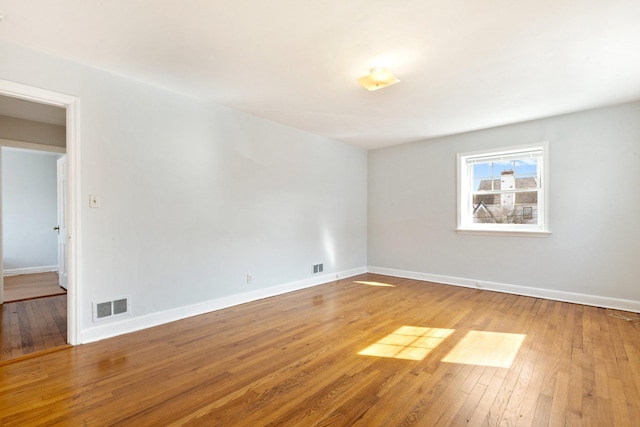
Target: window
x: 503, y: 191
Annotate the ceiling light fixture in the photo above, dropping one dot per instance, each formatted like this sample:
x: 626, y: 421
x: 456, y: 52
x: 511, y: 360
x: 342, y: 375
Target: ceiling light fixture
x: 377, y: 79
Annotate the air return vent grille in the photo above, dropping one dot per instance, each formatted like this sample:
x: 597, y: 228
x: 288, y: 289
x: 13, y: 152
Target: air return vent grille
x: 105, y: 309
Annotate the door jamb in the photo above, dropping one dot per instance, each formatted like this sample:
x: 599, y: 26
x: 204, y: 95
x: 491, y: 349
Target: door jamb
x: 72, y: 106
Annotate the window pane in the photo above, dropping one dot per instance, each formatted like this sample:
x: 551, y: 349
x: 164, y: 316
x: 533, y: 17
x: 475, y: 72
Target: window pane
x: 506, y: 175
x: 506, y: 208
x: 507, y: 205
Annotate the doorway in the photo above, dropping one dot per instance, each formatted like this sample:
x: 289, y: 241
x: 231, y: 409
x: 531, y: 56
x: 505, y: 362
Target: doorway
x: 34, y: 310
x: 33, y: 215
x: 71, y: 106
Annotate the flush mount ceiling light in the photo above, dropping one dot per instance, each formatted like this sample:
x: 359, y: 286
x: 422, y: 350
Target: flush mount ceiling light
x: 377, y: 79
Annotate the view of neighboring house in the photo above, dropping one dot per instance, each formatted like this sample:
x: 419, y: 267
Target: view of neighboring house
x: 505, y: 200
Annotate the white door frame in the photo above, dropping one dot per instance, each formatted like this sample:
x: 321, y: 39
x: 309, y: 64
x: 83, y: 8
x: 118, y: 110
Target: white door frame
x: 72, y: 105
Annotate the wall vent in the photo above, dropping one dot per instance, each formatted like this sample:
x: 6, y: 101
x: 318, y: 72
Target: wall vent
x: 105, y: 309
x: 318, y: 268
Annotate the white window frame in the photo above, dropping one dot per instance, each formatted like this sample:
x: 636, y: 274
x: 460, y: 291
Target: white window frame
x: 465, y: 224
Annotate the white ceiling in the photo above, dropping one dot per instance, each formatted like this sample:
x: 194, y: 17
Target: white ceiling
x: 463, y: 64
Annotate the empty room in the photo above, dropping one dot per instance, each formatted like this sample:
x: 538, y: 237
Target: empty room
x: 331, y: 213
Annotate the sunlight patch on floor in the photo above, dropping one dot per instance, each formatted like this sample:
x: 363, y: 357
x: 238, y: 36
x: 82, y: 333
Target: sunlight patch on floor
x: 408, y: 342
x: 374, y: 284
x: 486, y: 348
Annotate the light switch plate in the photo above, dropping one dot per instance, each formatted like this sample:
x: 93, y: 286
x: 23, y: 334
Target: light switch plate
x: 94, y: 201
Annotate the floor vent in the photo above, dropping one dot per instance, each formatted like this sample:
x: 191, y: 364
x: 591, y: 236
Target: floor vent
x: 105, y: 309
x: 318, y: 268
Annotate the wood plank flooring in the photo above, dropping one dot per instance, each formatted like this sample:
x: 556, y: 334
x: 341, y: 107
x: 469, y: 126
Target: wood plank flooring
x: 31, y: 326
x: 437, y: 356
x: 27, y: 286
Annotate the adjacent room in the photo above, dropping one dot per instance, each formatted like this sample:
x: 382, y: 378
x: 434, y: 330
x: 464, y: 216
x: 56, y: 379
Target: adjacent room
x: 333, y: 213
x: 32, y: 139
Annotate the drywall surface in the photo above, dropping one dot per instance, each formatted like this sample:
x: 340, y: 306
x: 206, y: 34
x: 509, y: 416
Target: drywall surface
x: 196, y: 196
x: 29, y: 209
x: 594, y: 172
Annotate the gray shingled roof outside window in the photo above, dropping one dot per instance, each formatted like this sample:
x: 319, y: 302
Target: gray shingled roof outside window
x: 529, y: 198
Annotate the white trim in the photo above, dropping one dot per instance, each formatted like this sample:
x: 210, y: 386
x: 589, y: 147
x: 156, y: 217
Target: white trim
x: 585, y: 299
x: 32, y: 146
x: 73, y: 126
x: 112, y: 329
x: 29, y: 270
x: 74, y: 286
x: 512, y: 233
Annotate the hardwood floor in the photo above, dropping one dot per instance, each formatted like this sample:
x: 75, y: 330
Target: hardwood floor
x: 31, y: 326
x: 452, y: 356
x: 27, y: 286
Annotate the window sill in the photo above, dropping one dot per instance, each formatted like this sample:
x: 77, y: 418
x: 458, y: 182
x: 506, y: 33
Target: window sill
x: 511, y: 233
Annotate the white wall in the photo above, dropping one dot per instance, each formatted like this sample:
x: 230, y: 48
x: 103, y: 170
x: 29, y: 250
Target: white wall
x: 29, y: 209
x: 594, y: 208
x: 196, y: 196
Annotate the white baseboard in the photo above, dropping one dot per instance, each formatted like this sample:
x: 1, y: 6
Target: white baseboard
x: 585, y: 299
x: 132, y: 324
x: 29, y: 270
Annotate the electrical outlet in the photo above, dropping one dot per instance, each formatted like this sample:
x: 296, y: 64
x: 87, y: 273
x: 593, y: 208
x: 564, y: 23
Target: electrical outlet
x: 249, y: 279
x: 94, y: 201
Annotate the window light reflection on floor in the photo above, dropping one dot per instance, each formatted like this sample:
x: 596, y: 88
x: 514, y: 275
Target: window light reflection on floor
x: 374, y: 284
x: 486, y: 348
x: 408, y: 342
